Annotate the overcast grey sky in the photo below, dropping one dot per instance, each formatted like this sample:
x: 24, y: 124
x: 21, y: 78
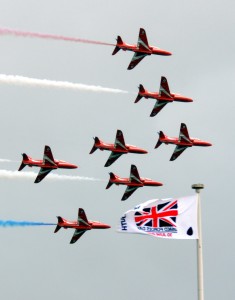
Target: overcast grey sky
x: 38, y: 264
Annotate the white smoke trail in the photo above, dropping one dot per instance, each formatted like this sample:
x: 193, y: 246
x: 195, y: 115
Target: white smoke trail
x: 5, y: 160
x: 26, y: 81
x: 6, y: 174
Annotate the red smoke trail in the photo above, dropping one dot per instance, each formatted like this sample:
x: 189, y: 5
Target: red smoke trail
x: 7, y: 31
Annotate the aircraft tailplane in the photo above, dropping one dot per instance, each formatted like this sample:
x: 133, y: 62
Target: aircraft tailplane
x: 141, y: 90
x: 25, y: 157
x: 161, y: 136
x: 110, y: 183
x: 58, y: 226
x: 117, y: 48
x: 21, y: 166
x: 97, y: 142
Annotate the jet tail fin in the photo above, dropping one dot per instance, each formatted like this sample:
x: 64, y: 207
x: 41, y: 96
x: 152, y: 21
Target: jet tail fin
x: 110, y: 183
x: 159, y: 142
x: 25, y: 157
x: 117, y: 48
x: 141, y: 90
x: 58, y: 226
x: 97, y: 142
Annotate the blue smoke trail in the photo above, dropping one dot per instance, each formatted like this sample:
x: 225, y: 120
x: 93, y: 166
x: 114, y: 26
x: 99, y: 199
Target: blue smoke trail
x: 11, y: 223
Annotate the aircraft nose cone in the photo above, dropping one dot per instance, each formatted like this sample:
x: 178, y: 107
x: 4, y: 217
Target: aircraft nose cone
x: 188, y: 99
x: 104, y: 226
x: 107, y: 226
x: 74, y: 166
x: 166, y: 53
x: 156, y: 183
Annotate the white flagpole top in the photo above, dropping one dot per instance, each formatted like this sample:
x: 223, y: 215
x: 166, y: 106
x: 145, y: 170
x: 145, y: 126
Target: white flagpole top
x: 198, y: 187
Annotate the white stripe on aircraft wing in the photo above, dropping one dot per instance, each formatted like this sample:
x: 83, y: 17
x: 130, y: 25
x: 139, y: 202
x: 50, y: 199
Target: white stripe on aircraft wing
x: 178, y: 149
x: 159, y: 104
x: 143, y: 44
x: 135, y: 178
x: 43, y: 171
x: 81, y: 220
x: 184, y: 137
x: 117, y: 142
x: 137, y: 56
x: 164, y: 91
x: 48, y: 159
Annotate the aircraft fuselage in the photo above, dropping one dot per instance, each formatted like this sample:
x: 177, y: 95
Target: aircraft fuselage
x: 128, y: 182
x: 58, y: 164
x: 128, y: 148
x: 192, y: 142
x: 152, y: 49
x: 157, y: 96
x: 74, y: 225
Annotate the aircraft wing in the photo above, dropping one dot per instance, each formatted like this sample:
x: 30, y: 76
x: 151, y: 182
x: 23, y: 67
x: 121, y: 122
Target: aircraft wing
x: 77, y: 234
x: 48, y: 157
x: 129, y: 191
x: 164, y: 90
x: 158, y: 107
x: 142, y: 42
x: 178, y: 150
x: 134, y: 175
x: 112, y: 158
x: 82, y: 217
x: 184, y: 136
x: 42, y: 174
x: 119, y: 141
x: 135, y: 60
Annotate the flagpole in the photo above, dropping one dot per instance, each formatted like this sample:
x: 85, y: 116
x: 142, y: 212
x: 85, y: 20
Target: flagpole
x: 197, y: 188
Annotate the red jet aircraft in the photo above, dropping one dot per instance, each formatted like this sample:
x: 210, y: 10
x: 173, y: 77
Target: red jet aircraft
x: 182, y: 143
x: 163, y: 97
x: 141, y: 49
x: 80, y: 226
x: 47, y: 164
x: 118, y: 148
x: 133, y: 182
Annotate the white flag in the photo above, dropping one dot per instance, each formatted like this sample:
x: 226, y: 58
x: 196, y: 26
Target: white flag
x: 172, y: 218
